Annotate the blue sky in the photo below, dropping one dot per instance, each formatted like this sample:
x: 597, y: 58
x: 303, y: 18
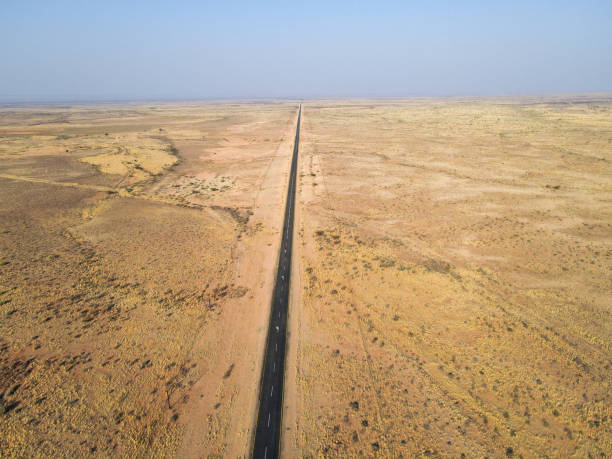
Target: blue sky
x: 135, y: 50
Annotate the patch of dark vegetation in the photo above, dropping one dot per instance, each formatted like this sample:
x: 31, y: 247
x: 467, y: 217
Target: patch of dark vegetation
x: 441, y: 267
x: 228, y: 373
x: 386, y: 263
x: 238, y: 292
x: 6, y: 407
x: 437, y: 266
x: 240, y: 215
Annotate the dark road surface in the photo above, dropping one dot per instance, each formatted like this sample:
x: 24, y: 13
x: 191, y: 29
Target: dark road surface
x: 268, y: 430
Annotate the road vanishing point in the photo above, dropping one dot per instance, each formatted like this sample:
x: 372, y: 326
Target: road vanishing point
x: 269, y: 417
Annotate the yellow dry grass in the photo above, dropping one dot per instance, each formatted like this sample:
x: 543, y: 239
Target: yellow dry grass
x: 456, y: 279
x: 115, y: 279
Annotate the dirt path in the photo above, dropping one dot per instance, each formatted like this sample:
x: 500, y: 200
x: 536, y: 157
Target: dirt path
x: 52, y: 182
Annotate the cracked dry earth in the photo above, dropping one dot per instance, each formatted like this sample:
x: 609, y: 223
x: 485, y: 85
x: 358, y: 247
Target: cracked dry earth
x: 453, y: 296
x: 132, y: 316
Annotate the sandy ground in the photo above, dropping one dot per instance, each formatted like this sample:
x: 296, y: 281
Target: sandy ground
x: 133, y: 313
x: 453, y: 296
x: 450, y: 289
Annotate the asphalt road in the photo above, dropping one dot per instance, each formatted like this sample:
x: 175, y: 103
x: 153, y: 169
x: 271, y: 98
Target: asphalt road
x: 268, y: 430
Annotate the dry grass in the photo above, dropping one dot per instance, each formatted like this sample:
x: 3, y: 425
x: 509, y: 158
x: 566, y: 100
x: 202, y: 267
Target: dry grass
x: 455, y: 279
x: 454, y: 286
x: 116, y: 279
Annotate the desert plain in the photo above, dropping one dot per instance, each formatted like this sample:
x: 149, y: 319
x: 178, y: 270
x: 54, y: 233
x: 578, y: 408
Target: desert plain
x: 137, y: 250
x: 455, y: 283
x: 450, y: 292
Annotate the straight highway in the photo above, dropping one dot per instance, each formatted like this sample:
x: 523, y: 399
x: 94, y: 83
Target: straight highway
x: 269, y: 418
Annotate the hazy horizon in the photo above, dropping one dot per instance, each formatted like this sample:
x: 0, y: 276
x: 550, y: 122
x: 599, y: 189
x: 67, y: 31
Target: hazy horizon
x: 147, y: 51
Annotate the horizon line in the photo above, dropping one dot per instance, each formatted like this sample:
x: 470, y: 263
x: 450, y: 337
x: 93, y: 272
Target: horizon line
x: 100, y: 101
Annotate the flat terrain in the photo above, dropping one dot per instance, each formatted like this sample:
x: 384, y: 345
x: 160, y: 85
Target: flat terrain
x: 132, y: 314
x: 453, y: 296
x: 266, y: 441
x: 450, y: 290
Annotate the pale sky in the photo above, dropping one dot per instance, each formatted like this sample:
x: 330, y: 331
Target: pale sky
x: 175, y: 50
